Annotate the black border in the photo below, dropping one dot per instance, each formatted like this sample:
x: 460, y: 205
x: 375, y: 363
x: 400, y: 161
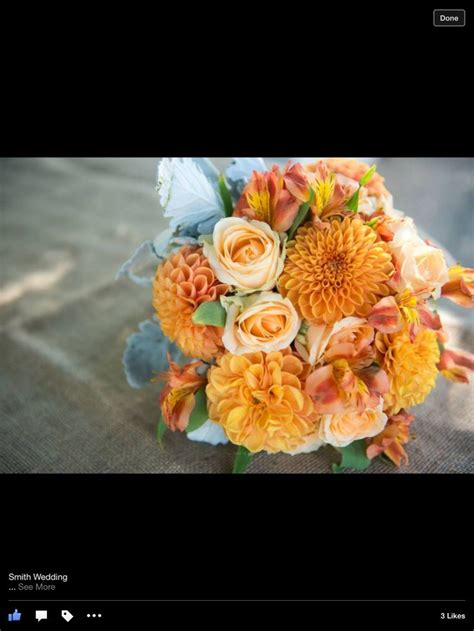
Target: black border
x: 356, y: 536
x: 398, y: 87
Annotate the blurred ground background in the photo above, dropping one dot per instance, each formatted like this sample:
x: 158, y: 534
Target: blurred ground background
x: 65, y: 406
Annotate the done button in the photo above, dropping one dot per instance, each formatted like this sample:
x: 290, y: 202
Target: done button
x: 449, y: 17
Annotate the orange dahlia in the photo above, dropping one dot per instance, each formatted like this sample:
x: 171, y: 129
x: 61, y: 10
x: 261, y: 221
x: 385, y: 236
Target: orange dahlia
x: 183, y: 282
x: 333, y: 272
x: 259, y: 400
x: 411, y: 366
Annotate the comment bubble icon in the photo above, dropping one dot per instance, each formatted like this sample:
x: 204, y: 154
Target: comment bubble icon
x: 41, y: 614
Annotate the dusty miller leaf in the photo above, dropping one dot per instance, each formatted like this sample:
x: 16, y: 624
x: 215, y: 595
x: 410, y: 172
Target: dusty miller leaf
x: 146, y: 354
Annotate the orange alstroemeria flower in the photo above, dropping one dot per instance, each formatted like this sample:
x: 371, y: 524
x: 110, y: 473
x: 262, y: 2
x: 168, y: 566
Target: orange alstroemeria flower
x: 296, y: 181
x: 386, y: 316
x: 455, y: 364
x: 335, y: 387
x: 352, y: 342
x: 266, y: 198
x: 391, y: 314
x: 391, y: 440
x: 177, y: 397
x: 429, y: 319
x: 330, y: 196
x: 383, y: 229
x: 460, y: 287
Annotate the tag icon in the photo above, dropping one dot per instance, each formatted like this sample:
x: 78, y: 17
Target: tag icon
x: 67, y: 615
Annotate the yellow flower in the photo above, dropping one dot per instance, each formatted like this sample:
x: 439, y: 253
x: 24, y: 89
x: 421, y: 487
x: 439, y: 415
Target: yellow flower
x: 182, y: 283
x: 335, y: 272
x: 245, y: 254
x: 258, y: 399
x: 411, y: 366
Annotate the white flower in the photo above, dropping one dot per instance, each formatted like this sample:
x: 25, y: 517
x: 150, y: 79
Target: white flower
x: 242, y: 168
x: 246, y: 254
x: 339, y: 430
x: 422, y: 267
x: 186, y: 194
x: 209, y: 432
x: 262, y: 322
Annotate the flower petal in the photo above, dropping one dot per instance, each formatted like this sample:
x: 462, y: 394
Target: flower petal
x: 385, y: 316
x: 209, y: 432
x: 454, y: 365
x: 322, y: 387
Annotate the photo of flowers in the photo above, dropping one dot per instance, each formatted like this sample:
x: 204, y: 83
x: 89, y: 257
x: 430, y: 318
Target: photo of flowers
x: 295, y: 309
x: 282, y: 315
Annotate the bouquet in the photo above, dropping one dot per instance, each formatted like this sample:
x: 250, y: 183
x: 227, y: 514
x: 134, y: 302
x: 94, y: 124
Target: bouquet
x: 294, y: 309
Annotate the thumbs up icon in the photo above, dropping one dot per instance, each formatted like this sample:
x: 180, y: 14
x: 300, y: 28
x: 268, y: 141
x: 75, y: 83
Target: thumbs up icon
x: 15, y: 616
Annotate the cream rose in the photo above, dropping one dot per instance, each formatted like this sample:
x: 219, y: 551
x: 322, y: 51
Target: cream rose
x: 262, y: 322
x: 342, y: 429
x: 245, y: 254
x: 312, y: 341
x: 422, y: 267
x: 345, y: 339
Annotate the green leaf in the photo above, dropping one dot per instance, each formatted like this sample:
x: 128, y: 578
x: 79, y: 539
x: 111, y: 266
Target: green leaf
x: 353, y: 203
x: 199, y: 415
x: 354, y: 456
x: 160, y: 431
x: 226, y: 198
x: 365, y: 179
x: 372, y: 223
x: 301, y: 216
x: 211, y: 313
x: 243, y: 458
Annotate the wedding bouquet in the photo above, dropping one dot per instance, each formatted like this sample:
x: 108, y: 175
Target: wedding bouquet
x: 294, y: 308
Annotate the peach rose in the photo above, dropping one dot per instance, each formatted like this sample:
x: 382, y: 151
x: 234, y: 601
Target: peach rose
x: 350, y: 339
x: 247, y: 254
x: 421, y: 267
x: 339, y: 430
x: 262, y: 322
